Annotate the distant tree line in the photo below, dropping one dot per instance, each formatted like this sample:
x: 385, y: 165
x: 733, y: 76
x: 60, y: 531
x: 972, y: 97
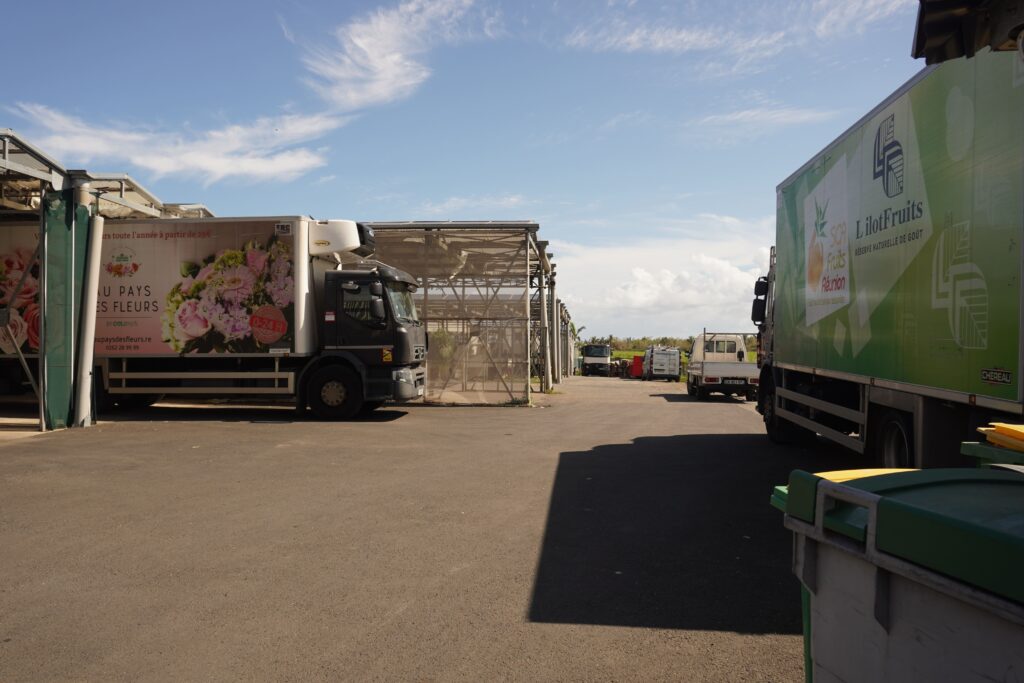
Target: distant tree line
x: 640, y: 343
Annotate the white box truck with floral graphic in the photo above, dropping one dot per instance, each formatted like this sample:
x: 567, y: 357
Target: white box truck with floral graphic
x: 276, y: 306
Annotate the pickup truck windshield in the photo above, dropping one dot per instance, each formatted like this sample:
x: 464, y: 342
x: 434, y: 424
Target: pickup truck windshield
x: 597, y: 351
x: 401, y: 302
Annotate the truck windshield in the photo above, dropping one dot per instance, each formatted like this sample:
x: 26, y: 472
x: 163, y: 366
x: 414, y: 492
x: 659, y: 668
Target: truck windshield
x: 597, y: 351
x: 401, y: 302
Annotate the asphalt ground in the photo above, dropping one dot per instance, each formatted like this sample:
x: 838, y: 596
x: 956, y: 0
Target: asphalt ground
x: 618, y: 531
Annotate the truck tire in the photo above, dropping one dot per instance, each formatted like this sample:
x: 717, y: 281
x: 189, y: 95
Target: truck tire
x: 894, y: 441
x: 334, y: 392
x: 779, y: 430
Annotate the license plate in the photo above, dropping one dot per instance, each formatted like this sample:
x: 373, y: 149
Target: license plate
x: 735, y: 381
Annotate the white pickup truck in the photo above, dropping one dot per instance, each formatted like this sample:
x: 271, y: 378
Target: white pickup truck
x: 718, y: 363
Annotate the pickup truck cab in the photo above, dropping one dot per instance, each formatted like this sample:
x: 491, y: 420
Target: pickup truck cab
x: 719, y: 363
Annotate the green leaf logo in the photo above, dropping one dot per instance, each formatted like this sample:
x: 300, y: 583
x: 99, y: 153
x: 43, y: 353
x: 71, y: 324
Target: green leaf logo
x: 819, y: 218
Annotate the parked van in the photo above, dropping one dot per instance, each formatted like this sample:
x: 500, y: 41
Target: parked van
x: 661, y: 362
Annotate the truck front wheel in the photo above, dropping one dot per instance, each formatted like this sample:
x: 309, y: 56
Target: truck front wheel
x: 335, y: 393
x: 779, y: 430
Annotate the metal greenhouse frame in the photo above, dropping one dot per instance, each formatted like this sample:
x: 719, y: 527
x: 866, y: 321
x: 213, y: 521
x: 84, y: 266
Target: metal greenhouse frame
x: 486, y: 330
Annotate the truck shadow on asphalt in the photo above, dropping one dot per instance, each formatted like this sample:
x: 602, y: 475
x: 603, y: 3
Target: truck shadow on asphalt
x: 674, y: 532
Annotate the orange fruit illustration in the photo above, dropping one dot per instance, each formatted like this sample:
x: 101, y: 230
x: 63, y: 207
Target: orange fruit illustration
x: 815, y: 263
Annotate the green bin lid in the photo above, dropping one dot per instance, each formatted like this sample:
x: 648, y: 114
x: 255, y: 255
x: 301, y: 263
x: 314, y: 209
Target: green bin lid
x: 965, y: 523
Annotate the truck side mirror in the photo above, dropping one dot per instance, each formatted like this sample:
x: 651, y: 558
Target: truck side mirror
x: 377, y: 311
x: 376, y: 289
x: 757, y: 311
x: 761, y: 286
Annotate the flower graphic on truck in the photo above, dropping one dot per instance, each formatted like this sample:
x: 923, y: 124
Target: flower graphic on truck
x: 235, y: 301
x: 122, y: 263
x: 22, y: 330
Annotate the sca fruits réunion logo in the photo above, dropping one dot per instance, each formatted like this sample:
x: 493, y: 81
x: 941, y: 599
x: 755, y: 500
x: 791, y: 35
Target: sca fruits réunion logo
x: 122, y: 263
x: 889, y: 157
x: 816, y: 250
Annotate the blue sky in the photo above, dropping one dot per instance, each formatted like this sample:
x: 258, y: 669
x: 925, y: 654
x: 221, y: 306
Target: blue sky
x: 646, y: 137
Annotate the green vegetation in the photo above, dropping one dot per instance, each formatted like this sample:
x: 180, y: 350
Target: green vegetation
x: 627, y: 347
x: 631, y: 345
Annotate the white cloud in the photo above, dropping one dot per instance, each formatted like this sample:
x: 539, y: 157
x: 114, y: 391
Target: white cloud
x: 745, y: 124
x: 672, y: 287
x: 768, y: 117
x: 621, y: 35
x: 378, y: 57
x: 377, y: 60
x: 833, y: 18
x: 744, y: 43
x: 456, y: 205
x: 264, y: 149
x: 288, y: 35
x: 625, y: 119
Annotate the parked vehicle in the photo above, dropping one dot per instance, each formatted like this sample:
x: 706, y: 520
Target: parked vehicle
x: 718, y: 363
x: 597, y: 359
x: 256, y: 306
x: 636, y: 367
x: 661, y: 362
x: 890, y: 318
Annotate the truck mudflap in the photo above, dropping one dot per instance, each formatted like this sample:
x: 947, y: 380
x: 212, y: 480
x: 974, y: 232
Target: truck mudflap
x: 409, y: 383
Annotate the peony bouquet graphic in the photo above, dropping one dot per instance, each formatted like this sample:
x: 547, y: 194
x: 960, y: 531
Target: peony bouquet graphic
x: 22, y: 331
x: 236, y: 301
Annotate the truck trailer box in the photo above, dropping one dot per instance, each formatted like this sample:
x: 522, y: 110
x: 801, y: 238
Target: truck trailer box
x: 210, y: 286
x: 899, y: 246
x: 898, y: 258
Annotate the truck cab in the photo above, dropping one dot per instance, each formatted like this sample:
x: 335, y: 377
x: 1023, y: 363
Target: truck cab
x: 369, y: 318
x: 597, y: 360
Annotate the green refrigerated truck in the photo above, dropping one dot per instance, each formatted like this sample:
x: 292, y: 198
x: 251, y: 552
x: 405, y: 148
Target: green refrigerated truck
x: 890, y: 318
